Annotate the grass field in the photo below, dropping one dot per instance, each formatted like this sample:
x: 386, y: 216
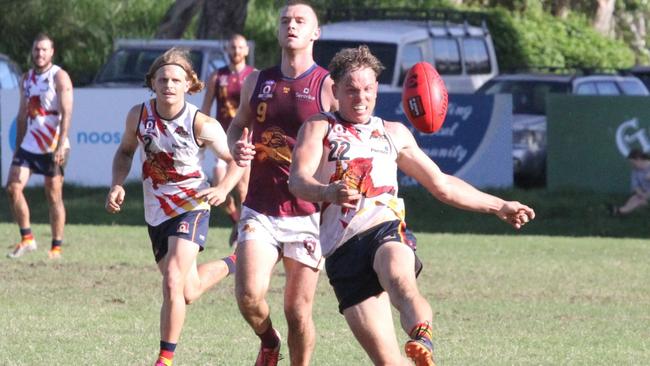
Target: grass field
x: 516, y: 299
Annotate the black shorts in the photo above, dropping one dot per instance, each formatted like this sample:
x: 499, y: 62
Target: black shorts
x: 42, y: 164
x: 192, y: 226
x: 350, y: 267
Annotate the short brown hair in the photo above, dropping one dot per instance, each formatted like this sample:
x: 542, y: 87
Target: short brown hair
x: 351, y: 59
x: 43, y: 37
x: 179, y: 57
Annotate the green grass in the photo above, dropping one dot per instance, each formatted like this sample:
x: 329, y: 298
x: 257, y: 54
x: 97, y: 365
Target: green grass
x: 515, y: 299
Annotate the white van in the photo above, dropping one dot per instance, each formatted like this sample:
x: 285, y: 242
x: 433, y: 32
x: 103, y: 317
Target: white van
x: 462, y: 53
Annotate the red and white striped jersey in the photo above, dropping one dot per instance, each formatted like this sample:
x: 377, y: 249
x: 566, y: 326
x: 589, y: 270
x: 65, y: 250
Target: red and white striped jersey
x: 43, y: 115
x: 172, y: 174
x: 363, y: 156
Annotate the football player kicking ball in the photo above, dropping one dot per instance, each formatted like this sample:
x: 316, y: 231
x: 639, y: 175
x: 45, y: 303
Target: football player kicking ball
x: 177, y: 195
x: 348, y: 161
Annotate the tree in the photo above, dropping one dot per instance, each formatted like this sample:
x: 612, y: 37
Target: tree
x: 218, y: 18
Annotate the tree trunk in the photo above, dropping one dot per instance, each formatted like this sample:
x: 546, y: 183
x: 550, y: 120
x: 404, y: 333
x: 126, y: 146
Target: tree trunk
x: 222, y: 18
x: 604, y: 16
x: 561, y: 8
x: 635, y: 22
x: 177, y: 18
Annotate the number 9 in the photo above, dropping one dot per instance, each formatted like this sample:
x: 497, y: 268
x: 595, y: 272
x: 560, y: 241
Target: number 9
x: 261, y: 112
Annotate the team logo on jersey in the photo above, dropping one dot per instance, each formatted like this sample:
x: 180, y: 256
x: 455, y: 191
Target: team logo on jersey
x: 266, y: 91
x: 183, y: 227
x: 286, y: 90
x: 304, y: 95
x: 180, y: 131
x: 149, y: 125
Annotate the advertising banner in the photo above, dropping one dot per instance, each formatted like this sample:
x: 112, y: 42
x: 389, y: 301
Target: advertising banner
x: 475, y: 142
x: 589, y: 138
x: 98, y: 121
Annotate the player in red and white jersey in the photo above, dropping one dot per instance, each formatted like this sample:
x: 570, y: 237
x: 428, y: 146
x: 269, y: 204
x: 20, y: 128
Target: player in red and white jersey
x: 348, y: 161
x: 42, y: 144
x: 224, y: 87
x: 275, y: 224
x: 172, y: 135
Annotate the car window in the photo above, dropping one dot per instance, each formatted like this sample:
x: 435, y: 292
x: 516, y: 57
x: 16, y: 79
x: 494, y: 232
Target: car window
x: 411, y: 54
x: 607, y: 88
x: 632, y: 87
x: 446, y: 56
x: 477, y: 60
x: 528, y: 96
x: 324, y: 50
x: 217, y: 61
x: 131, y: 65
x: 8, y: 79
x: 587, y: 88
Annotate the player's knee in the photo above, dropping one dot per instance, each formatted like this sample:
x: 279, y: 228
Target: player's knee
x: 297, y: 313
x: 173, y: 284
x: 14, y: 189
x: 247, y: 299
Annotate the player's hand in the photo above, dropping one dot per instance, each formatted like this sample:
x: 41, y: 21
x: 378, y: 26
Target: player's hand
x: 342, y: 195
x: 214, y: 195
x: 59, y: 156
x: 243, y: 151
x: 516, y: 214
x: 115, y: 198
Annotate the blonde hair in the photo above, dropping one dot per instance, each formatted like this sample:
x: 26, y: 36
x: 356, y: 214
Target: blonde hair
x: 179, y: 57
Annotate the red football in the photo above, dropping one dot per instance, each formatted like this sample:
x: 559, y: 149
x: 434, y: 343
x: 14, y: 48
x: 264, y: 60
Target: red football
x: 424, y: 98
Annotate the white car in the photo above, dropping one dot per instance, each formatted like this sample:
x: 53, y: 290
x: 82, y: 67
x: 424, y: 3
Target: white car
x: 462, y: 53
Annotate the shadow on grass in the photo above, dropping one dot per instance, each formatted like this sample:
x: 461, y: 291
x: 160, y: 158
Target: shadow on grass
x: 563, y: 213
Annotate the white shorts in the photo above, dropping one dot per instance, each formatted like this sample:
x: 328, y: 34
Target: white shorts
x: 295, y: 237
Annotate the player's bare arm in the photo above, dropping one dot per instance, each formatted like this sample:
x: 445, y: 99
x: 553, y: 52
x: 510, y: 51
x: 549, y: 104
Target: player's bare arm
x: 330, y: 103
x: 448, y: 188
x: 241, y: 148
x: 122, y: 161
x: 305, y: 161
x: 21, y: 119
x: 63, y: 86
x: 208, y: 98
x: 211, y: 134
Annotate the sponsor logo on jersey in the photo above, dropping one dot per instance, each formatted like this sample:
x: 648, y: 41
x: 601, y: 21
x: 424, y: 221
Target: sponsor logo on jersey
x: 286, y: 90
x: 379, y: 142
x: 183, y: 227
x: 304, y: 95
x: 266, y: 91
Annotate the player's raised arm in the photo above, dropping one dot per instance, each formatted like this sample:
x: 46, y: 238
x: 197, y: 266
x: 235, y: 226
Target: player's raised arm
x: 211, y: 134
x: 122, y: 161
x: 448, y: 188
x: 240, y: 147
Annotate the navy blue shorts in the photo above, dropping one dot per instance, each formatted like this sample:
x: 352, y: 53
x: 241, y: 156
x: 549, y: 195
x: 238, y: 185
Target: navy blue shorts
x: 192, y: 226
x: 350, y: 269
x: 42, y: 164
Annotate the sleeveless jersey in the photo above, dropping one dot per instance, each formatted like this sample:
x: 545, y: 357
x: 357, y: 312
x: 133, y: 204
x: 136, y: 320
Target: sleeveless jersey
x: 43, y: 118
x: 171, y: 170
x: 280, y: 105
x: 363, y: 156
x: 228, y: 89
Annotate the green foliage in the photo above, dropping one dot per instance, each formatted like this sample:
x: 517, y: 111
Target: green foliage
x: 83, y: 30
x: 537, y: 39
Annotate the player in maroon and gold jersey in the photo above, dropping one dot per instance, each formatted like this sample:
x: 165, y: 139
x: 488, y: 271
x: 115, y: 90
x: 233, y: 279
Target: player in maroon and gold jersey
x: 224, y: 87
x: 275, y: 225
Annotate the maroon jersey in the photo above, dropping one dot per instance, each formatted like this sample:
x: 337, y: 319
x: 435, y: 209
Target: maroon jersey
x: 280, y: 105
x: 227, y: 89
